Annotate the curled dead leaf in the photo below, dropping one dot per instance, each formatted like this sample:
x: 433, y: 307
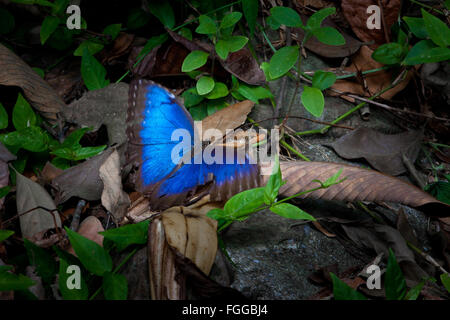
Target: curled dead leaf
x: 15, y: 72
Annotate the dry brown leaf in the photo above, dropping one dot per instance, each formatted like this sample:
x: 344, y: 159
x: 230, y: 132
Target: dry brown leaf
x: 228, y: 118
x: 360, y: 185
x: 374, y: 82
x: 15, y: 72
x: 114, y: 199
x: 383, y: 151
x: 355, y: 11
x: 48, y: 173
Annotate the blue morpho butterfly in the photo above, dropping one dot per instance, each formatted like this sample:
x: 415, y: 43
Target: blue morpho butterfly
x: 153, y: 114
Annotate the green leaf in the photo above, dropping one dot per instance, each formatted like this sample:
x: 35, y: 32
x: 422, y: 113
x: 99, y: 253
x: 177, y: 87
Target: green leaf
x: 128, y: 234
x: 7, y: 21
x: 425, y: 51
x: 163, y: 11
x: 244, y: 203
x: 112, y: 30
x: 39, y: 71
x: 59, y: 7
x: 115, y: 286
x: 254, y: 93
x: 265, y: 68
x: 389, y: 53
x: 273, y: 185
x: 71, y: 293
x: 194, y: 60
x: 440, y: 190
x: 186, y: 33
x: 5, y: 234
x: 212, y: 106
x: 152, y: 43
x: 414, y: 293
x: 343, y: 291
x: 329, y: 35
x: 3, y: 192
x: 416, y: 26
x: 3, y: 117
x: 232, y: 44
x: 250, y: 9
x: 23, y: 115
x: 93, y: 73
x: 313, y: 100
x: 49, y: 26
x: 445, y: 278
x: 61, y: 39
x: 10, y: 281
x: 230, y: 20
x: 222, y: 49
x: 87, y: 152
x: 323, y: 80
x: 199, y: 112
x: 191, y: 97
x: 206, y: 26
x: 42, y: 260
x: 73, y: 139
x: 91, y: 255
x: 287, y: 16
x: 273, y: 23
x: 137, y: 18
x: 394, y: 282
x: 437, y: 29
x: 61, y: 163
x: 205, y: 85
x: 91, y: 46
x: 216, y: 214
x: 282, y: 61
x: 220, y: 90
x: 290, y: 211
x: 33, y: 139
x: 332, y: 180
x: 317, y: 18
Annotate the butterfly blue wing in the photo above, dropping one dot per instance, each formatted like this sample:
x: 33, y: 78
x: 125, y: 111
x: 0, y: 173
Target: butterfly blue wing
x: 153, y: 115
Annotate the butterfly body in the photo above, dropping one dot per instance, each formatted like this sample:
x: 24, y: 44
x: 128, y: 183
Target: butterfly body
x: 153, y: 115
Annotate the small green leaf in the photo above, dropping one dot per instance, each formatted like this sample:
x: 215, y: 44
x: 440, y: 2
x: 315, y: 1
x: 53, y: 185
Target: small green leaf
x: 440, y: 190
x: 10, y: 281
x: 115, y: 286
x: 93, y: 48
x: 65, y: 278
x: 199, y: 112
x: 244, y: 203
x: 61, y: 163
x: 191, y: 97
x: 343, y: 291
x: 33, y: 139
x: 39, y: 71
x: 87, y: 152
x: 42, y: 260
x: 61, y: 39
x: 7, y: 21
x: 265, y: 68
x: 417, y: 27
x: 212, y: 106
x: 273, y: 23
x: 91, y: 255
x: 163, y: 11
x: 282, y: 61
x: 93, y: 73
x: 3, y: 192
x: 254, y: 93
x: 437, y: 29
x: 186, y: 33
x: 394, y: 282
x: 414, y: 293
x: 273, y: 185
x: 205, y: 85
x: 5, y: 234
x: 445, y: 279
x: 250, y: 9
x: 73, y: 139
x: 23, y: 115
x: 194, y: 60
x: 425, y: 51
x: 220, y: 90
x: 287, y: 16
x: 389, y: 53
x: 290, y: 211
x: 3, y: 117
x: 313, y: 100
x: 128, y: 234
x: 216, y: 214
x: 206, y: 26
x: 152, y: 43
x: 112, y: 30
x: 49, y: 26
x: 317, y: 18
x: 222, y: 49
x: 329, y: 35
x: 323, y: 80
x: 230, y: 20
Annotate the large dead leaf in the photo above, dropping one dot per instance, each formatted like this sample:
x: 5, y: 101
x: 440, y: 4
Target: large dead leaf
x: 360, y: 185
x: 31, y: 195
x: 350, y: 47
x: 82, y: 180
x: 355, y: 11
x: 15, y: 72
x: 383, y: 151
x: 106, y: 106
x: 114, y: 199
x: 372, y: 83
x: 228, y: 118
